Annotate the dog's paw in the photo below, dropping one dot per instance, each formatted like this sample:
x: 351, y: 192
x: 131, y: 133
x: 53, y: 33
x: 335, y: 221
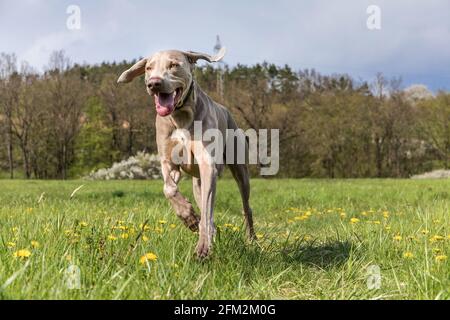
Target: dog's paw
x: 203, y: 249
x: 192, y: 222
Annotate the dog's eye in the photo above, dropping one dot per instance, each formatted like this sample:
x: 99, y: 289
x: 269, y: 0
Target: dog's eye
x: 173, y: 65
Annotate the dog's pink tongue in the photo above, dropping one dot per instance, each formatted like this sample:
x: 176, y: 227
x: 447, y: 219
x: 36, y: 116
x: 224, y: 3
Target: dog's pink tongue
x: 165, y: 103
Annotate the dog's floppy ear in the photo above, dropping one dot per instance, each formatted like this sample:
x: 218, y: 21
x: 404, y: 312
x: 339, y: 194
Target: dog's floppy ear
x: 137, y: 70
x: 194, y: 56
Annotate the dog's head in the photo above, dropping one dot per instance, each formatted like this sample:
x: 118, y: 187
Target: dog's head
x: 168, y: 76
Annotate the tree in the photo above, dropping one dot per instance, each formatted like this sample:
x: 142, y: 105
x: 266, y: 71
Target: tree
x: 9, y: 96
x: 75, y: 118
x: 417, y: 92
x: 24, y: 113
x: 435, y: 125
x: 66, y: 95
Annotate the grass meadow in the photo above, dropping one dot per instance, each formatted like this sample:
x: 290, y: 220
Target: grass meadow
x: 317, y: 239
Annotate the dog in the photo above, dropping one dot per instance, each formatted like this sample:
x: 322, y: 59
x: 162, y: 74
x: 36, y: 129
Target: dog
x: 180, y: 102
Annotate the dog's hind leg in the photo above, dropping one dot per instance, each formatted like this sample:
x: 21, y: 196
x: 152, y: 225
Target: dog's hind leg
x: 180, y: 204
x: 241, y: 175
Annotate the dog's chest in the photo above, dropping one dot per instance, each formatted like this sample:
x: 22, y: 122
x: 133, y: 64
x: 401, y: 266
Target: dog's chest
x: 180, y: 151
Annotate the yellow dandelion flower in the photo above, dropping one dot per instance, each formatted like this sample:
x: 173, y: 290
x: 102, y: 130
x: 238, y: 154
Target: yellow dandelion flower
x: 148, y: 257
x: 386, y: 214
x: 162, y: 221
x: 408, y: 255
x: 364, y: 213
x: 307, y: 238
x: 35, y: 244
x: 387, y: 228
x: 436, y: 238
x: 235, y: 228
x: 145, y: 228
x: 342, y: 214
x: 173, y: 226
x: 448, y: 237
x: 259, y: 236
x: 83, y: 224
x: 354, y: 220
x: 228, y: 225
x: 397, y: 237
x: 159, y: 230
x: 441, y: 258
x: 112, y: 237
x: 22, y: 254
x: 68, y: 257
x: 124, y: 236
x: 11, y: 244
x: 14, y: 229
x: 424, y: 231
x: 145, y: 238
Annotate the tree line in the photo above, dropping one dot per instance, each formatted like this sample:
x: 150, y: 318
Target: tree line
x: 71, y: 119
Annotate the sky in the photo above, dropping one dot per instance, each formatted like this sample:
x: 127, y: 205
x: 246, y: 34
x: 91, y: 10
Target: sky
x: 330, y: 36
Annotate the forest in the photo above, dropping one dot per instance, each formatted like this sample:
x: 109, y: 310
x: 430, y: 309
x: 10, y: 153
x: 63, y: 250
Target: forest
x: 70, y: 119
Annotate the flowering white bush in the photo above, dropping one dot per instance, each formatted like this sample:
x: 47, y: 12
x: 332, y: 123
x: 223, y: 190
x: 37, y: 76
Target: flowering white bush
x: 417, y: 92
x: 141, y: 166
x: 437, y: 174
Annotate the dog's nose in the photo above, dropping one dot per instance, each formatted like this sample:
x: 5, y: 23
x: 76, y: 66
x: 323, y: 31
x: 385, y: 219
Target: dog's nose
x: 154, y: 83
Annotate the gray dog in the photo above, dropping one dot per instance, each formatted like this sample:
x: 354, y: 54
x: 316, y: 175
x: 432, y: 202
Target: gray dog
x: 179, y: 102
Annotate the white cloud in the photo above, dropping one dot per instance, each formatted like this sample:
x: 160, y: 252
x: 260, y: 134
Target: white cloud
x: 39, y: 52
x: 329, y: 35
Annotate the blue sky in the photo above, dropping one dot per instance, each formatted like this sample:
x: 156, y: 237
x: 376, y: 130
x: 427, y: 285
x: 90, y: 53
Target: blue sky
x: 330, y: 36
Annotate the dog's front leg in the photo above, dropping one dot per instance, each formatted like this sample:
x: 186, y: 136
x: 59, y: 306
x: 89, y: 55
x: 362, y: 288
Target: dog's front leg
x: 208, y: 176
x: 180, y: 204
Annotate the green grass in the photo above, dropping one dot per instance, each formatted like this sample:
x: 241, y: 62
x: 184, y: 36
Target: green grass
x: 308, y: 248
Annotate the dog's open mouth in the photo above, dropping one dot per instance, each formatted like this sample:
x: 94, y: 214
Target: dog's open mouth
x: 166, y: 102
